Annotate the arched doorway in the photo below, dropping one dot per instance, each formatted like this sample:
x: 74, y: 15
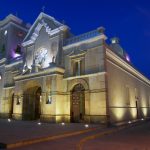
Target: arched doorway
x: 12, y: 105
x: 32, y: 103
x: 77, y: 103
x: 37, y: 103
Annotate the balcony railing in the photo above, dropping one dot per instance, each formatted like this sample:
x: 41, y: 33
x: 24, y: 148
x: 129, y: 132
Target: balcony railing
x: 82, y: 37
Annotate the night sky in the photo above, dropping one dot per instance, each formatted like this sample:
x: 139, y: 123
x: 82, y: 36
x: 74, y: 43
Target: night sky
x: 129, y: 20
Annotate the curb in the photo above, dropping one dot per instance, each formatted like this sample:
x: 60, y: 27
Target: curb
x: 43, y: 139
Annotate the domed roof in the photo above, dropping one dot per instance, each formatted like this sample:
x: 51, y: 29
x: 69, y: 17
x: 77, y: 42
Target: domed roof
x: 116, y: 47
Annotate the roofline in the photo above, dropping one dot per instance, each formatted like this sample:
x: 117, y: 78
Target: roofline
x: 39, y: 17
x: 128, y: 66
x: 14, y: 19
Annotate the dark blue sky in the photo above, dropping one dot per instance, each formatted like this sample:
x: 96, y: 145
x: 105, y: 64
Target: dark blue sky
x: 129, y: 20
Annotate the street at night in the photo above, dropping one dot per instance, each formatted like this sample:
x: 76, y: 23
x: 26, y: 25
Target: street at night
x: 135, y: 137
x: 75, y: 75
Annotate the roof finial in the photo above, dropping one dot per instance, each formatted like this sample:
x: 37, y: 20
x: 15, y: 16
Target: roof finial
x: 101, y: 29
x: 43, y: 9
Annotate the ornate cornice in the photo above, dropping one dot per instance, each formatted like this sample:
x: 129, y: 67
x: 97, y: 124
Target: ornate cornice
x: 36, y: 32
x: 41, y: 23
x: 46, y: 72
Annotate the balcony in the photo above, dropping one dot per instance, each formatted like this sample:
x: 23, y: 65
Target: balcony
x: 82, y: 37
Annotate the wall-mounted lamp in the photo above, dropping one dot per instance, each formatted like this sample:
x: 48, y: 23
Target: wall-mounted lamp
x: 49, y: 101
x: 18, y: 100
x: 40, y: 98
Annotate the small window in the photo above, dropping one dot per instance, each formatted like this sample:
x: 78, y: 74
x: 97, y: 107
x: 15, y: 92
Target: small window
x: 75, y: 68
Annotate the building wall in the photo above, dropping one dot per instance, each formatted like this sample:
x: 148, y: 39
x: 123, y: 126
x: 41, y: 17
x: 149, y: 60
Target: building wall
x: 91, y: 53
x: 60, y: 92
x: 2, y: 71
x: 52, y: 86
x: 108, y: 85
x: 91, y: 77
x: 15, y: 37
x: 124, y: 89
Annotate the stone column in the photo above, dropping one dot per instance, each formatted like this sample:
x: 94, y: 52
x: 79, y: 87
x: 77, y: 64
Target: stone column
x: 34, y: 67
x: 79, y: 69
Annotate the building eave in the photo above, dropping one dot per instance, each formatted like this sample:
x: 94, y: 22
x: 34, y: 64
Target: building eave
x: 111, y: 56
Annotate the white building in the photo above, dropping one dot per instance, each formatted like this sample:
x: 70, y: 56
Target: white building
x: 49, y: 74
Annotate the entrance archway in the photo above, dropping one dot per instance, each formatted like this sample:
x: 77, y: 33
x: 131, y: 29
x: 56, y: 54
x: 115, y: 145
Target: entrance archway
x: 77, y: 103
x: 32, y: 103
x: 37, y: 103
x: 12, y: 105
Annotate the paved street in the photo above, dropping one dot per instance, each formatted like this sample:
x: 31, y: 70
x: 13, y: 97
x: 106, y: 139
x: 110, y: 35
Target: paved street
x: 134, y: 138
x: 14, y: 131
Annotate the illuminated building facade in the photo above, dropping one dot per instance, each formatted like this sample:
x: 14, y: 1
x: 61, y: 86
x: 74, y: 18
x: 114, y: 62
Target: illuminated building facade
x: 47, y: 73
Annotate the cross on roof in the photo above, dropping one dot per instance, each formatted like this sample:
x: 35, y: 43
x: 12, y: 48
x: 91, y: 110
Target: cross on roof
x: 43, y: 8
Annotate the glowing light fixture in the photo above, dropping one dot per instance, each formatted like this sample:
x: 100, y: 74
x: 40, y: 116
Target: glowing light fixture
x: 5, y: 33
x: 16, y: 55
x: 9, y: 120
x: 127, y: 58
x: 18, y: 100
x: 62, y: 123
x: 49, y: 101
x: 86, y: 125
x: 142, y: 119
x: 113, y: 41
x: 40, y: 98
x: 129, y: 122
x: 39, y: 123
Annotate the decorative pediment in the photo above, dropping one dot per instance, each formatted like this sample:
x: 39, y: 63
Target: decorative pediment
x: 51, y: 26
x: 75, y: 53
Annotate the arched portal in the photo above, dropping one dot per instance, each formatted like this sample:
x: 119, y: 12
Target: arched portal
x: 37, y: 103
x: 32, y: 103
x: 77, y: 103
x: 12, y: 105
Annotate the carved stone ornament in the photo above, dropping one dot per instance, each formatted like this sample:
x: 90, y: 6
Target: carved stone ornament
x: 40, y: 56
